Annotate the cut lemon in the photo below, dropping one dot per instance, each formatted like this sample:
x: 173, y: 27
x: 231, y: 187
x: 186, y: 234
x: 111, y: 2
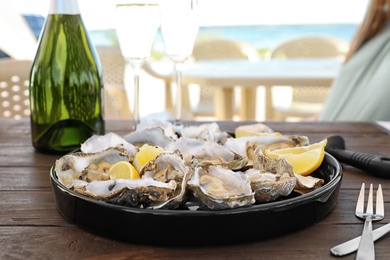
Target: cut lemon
x: 123, y: 170
x: 145, y: 154
x: 258, y: 129
x: 305, y: 159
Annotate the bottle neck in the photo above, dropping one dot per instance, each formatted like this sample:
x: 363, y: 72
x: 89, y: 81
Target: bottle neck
x: 64, y: 7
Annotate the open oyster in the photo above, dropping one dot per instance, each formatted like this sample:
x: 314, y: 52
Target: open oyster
x: 245, y: 146
x: 88, y: 166
x: 97, y: 143
x: 216, y: 187
x: 270, y: 178
x: 206, y: 151
x: 165, y: 168
x: 207, y: 132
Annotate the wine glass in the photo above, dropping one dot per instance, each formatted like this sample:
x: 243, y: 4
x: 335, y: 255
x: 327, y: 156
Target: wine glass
x: 137, y: 22
x: 179, y: 28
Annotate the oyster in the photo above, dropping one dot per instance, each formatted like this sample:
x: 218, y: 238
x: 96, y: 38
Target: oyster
x: 97, y: 143
x: 134, y: 193
x: 206, y: 132
x: 88, y: 166
x: 271, y: 178
x: 245, y: 146
x: 210, y: 152
x: 152, y: 136
x: 166, y: 126
x: 216, y: 187
x: 308, y: 183
x: 165, y: 168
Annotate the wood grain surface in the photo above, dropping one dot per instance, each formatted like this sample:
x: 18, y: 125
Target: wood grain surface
x: 32, y: 228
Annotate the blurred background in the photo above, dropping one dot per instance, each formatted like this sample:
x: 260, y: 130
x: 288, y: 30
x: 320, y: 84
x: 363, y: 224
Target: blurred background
x: 263, y: 24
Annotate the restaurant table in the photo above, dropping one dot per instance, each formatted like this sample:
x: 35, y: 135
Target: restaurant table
x: 32, y: 228
x: 225, y: 74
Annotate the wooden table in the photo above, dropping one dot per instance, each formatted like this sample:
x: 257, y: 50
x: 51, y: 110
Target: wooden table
x: 31, y: 227
x: 225, y: 74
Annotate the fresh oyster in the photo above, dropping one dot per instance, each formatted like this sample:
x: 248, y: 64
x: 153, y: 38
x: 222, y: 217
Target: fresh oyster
x: 308, y: 183
x: 152, y: 136
x: 210, y: 152
x: 169, y: 167
x: 97, y: 143
x: 206, y: 132
x: 88, y: 166
x: 271, y: 178
x: 166, y: 126
x: 133, y: 193
x: 245, y: 146
x: 216, y: 187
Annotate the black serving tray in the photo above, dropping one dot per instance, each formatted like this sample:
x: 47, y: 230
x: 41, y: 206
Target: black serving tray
x: 202, y: 227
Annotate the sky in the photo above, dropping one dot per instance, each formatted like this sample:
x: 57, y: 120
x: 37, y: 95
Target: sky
x: 99, y: 14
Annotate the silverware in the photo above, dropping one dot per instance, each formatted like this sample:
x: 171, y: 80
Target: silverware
x: 366, y: 248
x: 353, y: 244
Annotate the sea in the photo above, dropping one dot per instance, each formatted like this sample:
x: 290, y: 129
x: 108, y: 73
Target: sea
x: 260, y: 36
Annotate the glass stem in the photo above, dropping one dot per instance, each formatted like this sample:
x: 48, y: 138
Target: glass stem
x: 178, y: 102
x: 136, y: 98
x: 136, y: 73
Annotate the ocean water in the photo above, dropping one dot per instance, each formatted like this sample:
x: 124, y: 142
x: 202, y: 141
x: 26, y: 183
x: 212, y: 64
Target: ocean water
x: 261, y: 36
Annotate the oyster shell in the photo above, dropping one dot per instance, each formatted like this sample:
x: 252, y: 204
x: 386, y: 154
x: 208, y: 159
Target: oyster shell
x: 152, y: 136
x: 245, y: 146
x: 134, y: 193
x: 206, y: 132
x: 271, y: 178
x: 97, y: 143
x: 216, y: 187
x: 165, y: 168
x: 308, y: 183
x: 210, y: 152
x: 76, y: 166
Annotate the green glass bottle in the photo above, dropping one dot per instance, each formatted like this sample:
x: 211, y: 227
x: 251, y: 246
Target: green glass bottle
x: 66, y: 85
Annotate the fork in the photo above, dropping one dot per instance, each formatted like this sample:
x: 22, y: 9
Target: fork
x: 366, y: 249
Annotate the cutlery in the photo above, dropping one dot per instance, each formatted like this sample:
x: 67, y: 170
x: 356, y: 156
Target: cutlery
x: 366, y: 248
x: 371, y: 163
x: 353, y: 244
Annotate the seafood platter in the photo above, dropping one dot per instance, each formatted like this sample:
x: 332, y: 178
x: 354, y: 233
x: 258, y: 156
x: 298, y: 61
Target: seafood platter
x: 204, y: 186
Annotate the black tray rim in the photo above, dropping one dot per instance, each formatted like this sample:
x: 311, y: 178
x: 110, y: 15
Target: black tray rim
x: 277, y: 205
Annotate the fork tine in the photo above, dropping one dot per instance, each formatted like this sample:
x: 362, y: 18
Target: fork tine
x: 360, y: 202
x: 370, y: 209
x: 379, y: 202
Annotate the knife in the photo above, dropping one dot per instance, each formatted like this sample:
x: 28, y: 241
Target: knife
x: 371, y: 163
x: 353, y: 244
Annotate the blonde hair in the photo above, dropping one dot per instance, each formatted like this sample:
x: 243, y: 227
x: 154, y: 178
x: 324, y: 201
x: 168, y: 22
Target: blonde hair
x: 378, y: 13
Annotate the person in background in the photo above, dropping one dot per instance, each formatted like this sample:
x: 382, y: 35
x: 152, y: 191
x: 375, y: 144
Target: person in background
x: 361, y: 91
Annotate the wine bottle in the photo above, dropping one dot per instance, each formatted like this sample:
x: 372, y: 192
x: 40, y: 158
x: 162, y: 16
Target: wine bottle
x: 66, y: 85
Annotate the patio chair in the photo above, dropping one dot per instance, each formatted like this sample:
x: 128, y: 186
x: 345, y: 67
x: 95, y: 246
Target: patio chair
x: 306, y: 101
x: 14, y: 81
x: 14, y: 93
x: 214, y: 101
x: 116, y: 103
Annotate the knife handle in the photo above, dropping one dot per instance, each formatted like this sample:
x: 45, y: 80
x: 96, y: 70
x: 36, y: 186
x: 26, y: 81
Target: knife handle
x: 373, y: 164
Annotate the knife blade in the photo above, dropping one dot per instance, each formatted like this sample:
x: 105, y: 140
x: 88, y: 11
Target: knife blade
x: 353, y: 244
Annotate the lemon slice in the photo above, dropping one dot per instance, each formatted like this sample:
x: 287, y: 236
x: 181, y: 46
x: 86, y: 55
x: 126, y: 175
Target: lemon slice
x: 145, y: 154
x: 305, y: 159
x: 258, y: 129
x: 123, y: 170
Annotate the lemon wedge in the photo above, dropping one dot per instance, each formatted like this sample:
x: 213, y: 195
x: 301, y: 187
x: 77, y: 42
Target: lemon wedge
x: 145, y: 154
x: 258, y: 129
x: 305, y: 159
x: 123, y: 170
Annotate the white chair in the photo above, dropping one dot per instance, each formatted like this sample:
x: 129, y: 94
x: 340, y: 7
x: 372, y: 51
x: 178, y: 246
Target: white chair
x: 116, y: 103
x: 214, y: 101
x: 14, y: 81
x: 14, y: 93
x: 306, y: 101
